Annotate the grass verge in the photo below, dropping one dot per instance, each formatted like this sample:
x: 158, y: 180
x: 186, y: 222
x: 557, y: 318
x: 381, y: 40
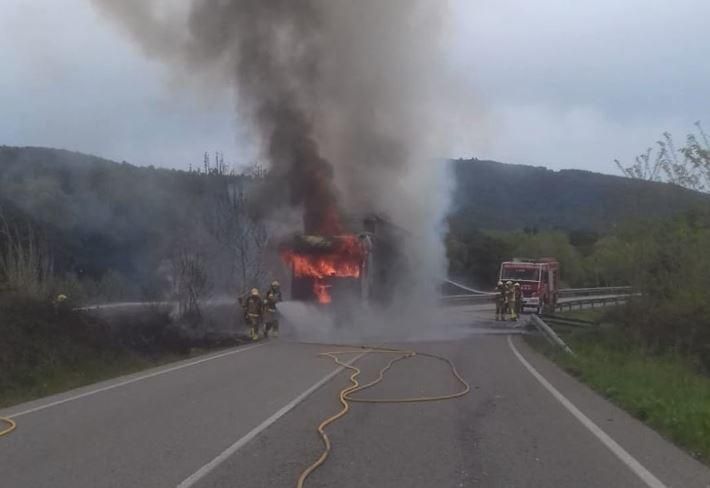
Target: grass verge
x: 41, y: 383
x: 589, y: 314
x: 47, y: 349
x: 665, y: 391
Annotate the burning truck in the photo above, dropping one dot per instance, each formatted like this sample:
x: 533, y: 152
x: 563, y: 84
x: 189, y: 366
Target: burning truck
x: 356, y: 266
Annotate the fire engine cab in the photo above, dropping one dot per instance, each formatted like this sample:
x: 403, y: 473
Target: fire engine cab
x: 539, y: 281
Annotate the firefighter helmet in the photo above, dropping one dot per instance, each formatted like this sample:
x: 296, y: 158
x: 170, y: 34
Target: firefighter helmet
x: 254, y: 292
x: 500, y: 283
x: 517, y: 285
x: 275, y: 284
x: 509, y: 283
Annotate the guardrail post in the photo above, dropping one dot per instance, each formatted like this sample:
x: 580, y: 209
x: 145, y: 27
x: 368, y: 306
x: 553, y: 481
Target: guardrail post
x: 550, y: 334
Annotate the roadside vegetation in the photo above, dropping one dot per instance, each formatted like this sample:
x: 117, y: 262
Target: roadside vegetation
x: 57, y: 255
x: 650, y: 356
x: 666, y: 260
x: 667, y: 390
x: 668, y: 264
x: 47, y: 347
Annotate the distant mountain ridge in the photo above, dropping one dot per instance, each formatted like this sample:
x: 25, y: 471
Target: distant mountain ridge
x: 488, y: 194
x: 498, y: 196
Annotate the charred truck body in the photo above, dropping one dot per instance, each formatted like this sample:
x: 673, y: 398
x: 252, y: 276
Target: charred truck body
x: 349, y: 267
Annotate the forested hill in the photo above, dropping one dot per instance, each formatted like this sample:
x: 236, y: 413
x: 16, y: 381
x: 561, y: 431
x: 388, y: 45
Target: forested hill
x: 101, y: 217
x: 492, y: 195
x: 77, y: 191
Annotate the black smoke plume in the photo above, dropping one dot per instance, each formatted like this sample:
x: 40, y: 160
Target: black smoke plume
x: 349, y: 100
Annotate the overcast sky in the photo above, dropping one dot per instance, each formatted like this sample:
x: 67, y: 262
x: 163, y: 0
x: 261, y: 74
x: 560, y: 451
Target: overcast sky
x: 559, y: 83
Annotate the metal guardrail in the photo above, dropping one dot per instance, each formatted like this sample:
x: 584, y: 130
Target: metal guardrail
x: 585, y: 294
x: 550, y: 334
x: 608, y: 290
x: 591, y: 302
x: 121, y: 305
x: 138, y: 305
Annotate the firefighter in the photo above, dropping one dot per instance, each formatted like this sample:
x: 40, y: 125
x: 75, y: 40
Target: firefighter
x: 518, y: 299
x: 59, y: 302
x: 271, y: 317
x: 500, y: 301
x: 253, y: 313
x: 510, y: 300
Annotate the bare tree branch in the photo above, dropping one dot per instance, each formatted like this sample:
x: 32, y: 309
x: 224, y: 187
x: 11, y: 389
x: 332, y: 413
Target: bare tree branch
x: 26, y: 264
x: 688, y: 166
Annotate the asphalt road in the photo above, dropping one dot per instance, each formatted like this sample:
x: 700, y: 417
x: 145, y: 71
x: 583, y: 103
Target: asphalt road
x: 246, y: 418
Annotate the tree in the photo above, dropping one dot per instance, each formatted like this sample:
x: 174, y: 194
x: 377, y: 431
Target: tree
x: 26, y: 264
x: 550, y: 244
x: 190, y: 281
x: 612, y: 261
x: 688, y: 167
x: 239, y: 229
x: 475, y: 256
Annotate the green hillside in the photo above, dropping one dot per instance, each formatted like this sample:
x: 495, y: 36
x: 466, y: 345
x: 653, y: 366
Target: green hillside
x: 498, y: 196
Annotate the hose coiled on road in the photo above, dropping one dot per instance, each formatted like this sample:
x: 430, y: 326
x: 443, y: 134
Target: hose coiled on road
x: 345, y: 395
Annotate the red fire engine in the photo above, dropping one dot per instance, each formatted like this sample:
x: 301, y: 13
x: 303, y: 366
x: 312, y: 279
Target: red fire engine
x: 539, y: 281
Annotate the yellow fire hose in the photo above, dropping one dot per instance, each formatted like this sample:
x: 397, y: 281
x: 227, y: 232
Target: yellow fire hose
x: 346, y: 393
x: 10, y: 425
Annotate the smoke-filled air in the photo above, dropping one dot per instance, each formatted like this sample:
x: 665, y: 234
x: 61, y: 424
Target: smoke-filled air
x: 345, y: 99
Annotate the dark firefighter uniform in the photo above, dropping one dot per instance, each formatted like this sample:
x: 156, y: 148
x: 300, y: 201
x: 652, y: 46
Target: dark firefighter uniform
x: 500, y: 301
x: 271, y: 313
x: 253, y: 313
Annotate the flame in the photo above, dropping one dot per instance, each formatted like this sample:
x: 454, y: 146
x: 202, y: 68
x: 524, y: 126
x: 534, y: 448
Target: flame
x: 343, y: 259
x: 320, y: 289
x: 328, y: 266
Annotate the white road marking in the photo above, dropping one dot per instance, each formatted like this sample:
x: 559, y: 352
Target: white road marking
x: 133, y: 380
x: 209, y: 467
x: 646, y: 476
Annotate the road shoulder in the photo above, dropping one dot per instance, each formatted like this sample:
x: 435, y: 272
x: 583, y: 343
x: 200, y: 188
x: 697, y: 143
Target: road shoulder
x: 666, y: 461
x: 50, y: 401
